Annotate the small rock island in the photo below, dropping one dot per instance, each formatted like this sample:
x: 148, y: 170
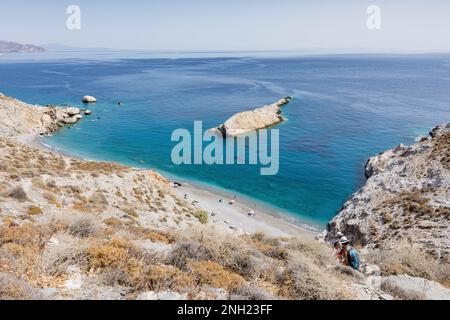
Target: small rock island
x: 256, y: 119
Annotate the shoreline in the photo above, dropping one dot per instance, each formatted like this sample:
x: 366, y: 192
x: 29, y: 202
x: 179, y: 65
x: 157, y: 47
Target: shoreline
x: 235, y: 217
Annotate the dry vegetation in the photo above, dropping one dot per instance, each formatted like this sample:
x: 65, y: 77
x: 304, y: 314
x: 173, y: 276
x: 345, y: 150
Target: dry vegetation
x: 441, y: 150
x: 411, y: 260
x: 108, y: 223
x: 42, y: 254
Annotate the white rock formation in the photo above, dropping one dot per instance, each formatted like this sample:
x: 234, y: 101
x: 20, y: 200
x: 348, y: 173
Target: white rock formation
x: 423, y: 288
x: 89, y: 99
x: 248, y: 121
x: 406, y: 198
x: 71, y: 111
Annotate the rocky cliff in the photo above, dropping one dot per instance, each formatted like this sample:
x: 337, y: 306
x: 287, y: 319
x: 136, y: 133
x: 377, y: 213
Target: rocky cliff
x: 406, y: 199
x: 19, y: 118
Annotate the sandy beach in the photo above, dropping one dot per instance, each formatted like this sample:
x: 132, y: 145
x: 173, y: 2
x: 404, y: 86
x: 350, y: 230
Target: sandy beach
x: 239, y: 216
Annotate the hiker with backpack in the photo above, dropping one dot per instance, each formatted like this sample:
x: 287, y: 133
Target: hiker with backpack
x: 349, y: 256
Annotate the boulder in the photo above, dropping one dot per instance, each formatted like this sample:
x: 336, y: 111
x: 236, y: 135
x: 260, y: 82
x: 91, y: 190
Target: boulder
x: 88, y: 112
x: 89, y: 99
x: 374, y: 282
x: 419, y: 287
x: 60, y: 115
x: 70, y: 120
x: 71, y: 111
x: 74, y: 283
x: 46, y: 120
x: 371, y: 270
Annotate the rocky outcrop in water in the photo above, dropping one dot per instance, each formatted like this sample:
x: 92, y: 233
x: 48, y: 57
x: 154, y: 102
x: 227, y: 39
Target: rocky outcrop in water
x: 249, y: 121
x: 406, y: 198
x: 19, y: 118
x: 89, y: 99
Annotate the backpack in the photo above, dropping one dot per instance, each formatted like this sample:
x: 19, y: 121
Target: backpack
x: 353, y: 258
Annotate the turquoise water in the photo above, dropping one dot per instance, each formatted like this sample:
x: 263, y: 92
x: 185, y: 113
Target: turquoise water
x: 346, y: 109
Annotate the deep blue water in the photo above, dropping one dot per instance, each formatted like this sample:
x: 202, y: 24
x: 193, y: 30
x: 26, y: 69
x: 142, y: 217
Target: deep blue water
x: 346, y: 109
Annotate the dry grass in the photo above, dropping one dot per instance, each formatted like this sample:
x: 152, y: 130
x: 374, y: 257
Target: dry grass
x: 407, y: 259
x: 303, y: 280
x: 118, y: 254
x: 295, y: 268
x: 70, y: 251
x: 252, y: 293
x: 152, y: 235
x: 83, y: 226
x: 214, y: 275
x: 13, y: 288
x: 161, y: 278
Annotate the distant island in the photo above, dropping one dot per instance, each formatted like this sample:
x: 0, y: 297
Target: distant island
x: 8, y: 47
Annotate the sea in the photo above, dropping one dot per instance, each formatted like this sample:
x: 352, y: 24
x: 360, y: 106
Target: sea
x: 345, y: 109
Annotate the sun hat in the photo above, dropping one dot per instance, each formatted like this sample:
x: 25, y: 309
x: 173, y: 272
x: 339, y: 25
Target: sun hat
x: 339, y: 234
x: 344, y: 240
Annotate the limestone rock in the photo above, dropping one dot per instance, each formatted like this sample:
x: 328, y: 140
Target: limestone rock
x: 71, y: 120
x: 256, y: 119
x: 406, y: 198
x: 419, y: 287
x: 71, y: 111
x: 89, y: 99
x: 46, y: 120
x: 371, y: 270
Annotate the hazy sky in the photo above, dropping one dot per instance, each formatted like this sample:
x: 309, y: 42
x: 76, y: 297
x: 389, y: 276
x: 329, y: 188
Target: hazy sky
x: 418, y: 25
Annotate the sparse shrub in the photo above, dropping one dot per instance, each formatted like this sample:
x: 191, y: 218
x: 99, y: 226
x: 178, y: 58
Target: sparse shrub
x: 51, y: 184
x: 12, y: 288
x: 83, y: 226
x: 202, y: 216
x: 251, y: 292
x: 52, y: 199
x: 152, y: 235
x: 213, y: 274
x: 34, y: 211
x: 223, y: 249
x: 113, y: 277
x: 408, y: 259
x: 70, y: 251
x: 112, y: 221
x: 98, y: 198
x: 26, y: 235
x: 303, y: 280
x: 130, y: 211
x: 37, y: 182
x: 82, y: 207
x: 16, y: 193
x: 387, y: 217
x: 107, y: 256
x: 160, y: 278
x: 117, y: 254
